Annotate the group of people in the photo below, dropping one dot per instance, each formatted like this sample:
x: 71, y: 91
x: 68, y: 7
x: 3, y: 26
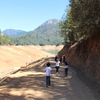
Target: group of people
x: 48, y: 69
x: 60, y: 60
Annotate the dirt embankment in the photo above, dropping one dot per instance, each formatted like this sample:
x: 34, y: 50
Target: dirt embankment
x: 85, y: 55
x: 17, y: 56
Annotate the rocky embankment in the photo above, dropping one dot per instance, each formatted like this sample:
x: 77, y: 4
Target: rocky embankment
x: 85, y: 55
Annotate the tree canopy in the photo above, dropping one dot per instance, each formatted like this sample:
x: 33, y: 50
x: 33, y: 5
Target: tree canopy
x: 82, y: 18
x: 5, y: 40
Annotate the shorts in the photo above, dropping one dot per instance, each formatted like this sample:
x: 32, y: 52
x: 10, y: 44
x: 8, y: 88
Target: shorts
x: 57, y: 68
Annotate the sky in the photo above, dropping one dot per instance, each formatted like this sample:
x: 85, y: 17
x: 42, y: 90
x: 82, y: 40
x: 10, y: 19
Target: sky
x: 27, y: 15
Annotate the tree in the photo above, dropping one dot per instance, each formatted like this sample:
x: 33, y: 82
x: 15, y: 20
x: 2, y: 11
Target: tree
x: 67, y: 28
x: 5, y: 40
x: 86, y: 13
x: 83, y: 18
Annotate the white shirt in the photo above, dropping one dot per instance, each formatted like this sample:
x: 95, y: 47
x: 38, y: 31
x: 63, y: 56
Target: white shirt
x: 48, y: 70
x: 57, y: 63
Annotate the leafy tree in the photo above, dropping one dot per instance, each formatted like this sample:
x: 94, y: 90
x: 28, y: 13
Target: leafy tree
x: 86, y: 14
x: 82, y: 18
x: 67, y: 28
x: 5, y: 40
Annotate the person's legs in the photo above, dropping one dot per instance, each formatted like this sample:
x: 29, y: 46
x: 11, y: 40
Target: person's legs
x: 66, y: 71
x: 56, y: 70
x: 47, y: 80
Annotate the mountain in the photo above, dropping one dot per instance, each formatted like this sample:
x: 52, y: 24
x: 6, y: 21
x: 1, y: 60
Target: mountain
x: 13, y: 32
x: 49, y: 22
x: 45, y: 34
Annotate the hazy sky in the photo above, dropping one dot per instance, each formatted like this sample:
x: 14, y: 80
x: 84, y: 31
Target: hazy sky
x: 29, y: 14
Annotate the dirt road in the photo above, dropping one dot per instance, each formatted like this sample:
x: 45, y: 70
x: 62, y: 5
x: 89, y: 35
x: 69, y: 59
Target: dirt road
x: 29, y: 84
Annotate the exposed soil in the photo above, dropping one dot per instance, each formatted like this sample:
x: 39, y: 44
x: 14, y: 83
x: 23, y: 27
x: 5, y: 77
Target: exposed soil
x: 29, y: 84
x: 85, y: 55
x: 17, y: 56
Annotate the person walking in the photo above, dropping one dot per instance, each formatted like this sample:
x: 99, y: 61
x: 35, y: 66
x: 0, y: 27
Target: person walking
x: 66, y: 69
x: 57, y: 66
x: 64, y: 59
x: 48, y: 70
x: 56, y: 57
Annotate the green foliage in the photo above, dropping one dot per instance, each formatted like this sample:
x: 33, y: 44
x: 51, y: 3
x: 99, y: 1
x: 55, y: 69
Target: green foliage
x: 46, y: 34
x: 83, y: 18
x: 67, y: 28
x: 86, y: 13
x: 5, y: 40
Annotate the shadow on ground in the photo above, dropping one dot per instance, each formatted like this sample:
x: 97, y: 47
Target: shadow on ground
x: 29, y: 84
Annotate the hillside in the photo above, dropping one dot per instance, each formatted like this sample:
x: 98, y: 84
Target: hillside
x: 45, y: 34
x: 85, y: 55
x: 17, y: 56
x: 13, y: 32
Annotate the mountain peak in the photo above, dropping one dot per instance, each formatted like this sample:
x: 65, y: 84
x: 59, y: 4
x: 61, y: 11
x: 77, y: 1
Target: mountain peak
x: 51, y: 21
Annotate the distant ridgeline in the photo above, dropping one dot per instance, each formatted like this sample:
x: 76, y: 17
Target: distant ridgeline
x: 46, y: 34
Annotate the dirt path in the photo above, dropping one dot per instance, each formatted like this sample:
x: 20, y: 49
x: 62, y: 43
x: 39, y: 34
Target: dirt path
x: 29, y: 84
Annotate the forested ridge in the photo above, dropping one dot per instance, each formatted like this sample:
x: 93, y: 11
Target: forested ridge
x: 45, y: 34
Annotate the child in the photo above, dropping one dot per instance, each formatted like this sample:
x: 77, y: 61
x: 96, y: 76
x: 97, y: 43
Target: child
x: 66, y: 69
x: 57, y: 66
x: 48, y: 72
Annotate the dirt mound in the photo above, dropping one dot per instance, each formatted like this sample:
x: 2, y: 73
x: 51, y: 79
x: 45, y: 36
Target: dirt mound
x: 17, y: 56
